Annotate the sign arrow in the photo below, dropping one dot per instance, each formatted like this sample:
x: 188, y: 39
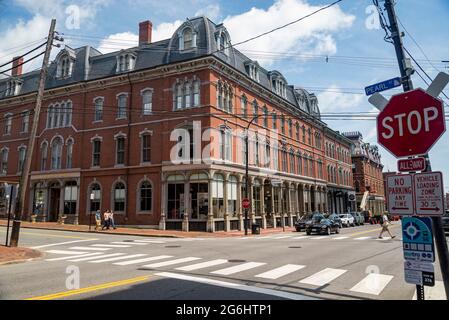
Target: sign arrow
x: 396, y: 208
x: 430, y: 209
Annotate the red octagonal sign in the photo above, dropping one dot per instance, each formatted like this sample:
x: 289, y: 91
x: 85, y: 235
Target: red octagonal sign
x: 411, y: 123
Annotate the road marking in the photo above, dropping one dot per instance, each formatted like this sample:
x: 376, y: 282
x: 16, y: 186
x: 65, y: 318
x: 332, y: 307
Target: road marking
x: 280, y: 272
x: 434, y: 293
x: 90, y: 248
x: 132, y: 243
x: 363, y: 238
x: 238, y: 268
x: 371, y: 230
x: 75, y: 256
x: 340, y: 238
x: 318, y: 238
x: 301, y: 237
x: 118, y: 258
x: 203, y: 265
x: 236, y: 286
x: 111, y: 245
x: 265, y: 237
x: 374, y: 283
x: 96, y: 257
x: 150, y: 241
x: 170, y: 262
x: 323, y: 277
x: 126, y: 263
x: 65, y: 252
x: 61, y: 243
x: 90, y: 289
x: 282, y: 237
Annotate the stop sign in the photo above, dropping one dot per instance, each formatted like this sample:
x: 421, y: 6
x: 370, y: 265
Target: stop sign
x: 245, y: 203
x: 411, y: 123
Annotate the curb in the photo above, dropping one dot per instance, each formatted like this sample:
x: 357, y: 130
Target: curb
x: 42, y: 254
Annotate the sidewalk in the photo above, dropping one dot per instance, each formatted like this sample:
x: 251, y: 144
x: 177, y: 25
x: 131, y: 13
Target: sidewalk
x: 15, y: 255
x: 144, y: 232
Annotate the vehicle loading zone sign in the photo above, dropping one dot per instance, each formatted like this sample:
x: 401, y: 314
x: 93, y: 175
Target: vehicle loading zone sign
x: 416, y: 194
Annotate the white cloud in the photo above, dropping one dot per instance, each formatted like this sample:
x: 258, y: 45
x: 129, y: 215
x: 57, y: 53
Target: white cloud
x: 313, y: 35
x: 118, y: 41
x: 333, y: 99
x: 165, y: 30
x: 212, y: 11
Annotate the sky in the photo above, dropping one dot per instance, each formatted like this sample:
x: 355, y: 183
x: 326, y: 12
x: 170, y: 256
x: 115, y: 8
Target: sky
x: 334, y: 54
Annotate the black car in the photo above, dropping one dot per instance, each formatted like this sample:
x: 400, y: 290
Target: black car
x: 446, y: 221
x: 301, y: 224
x: 325, y: 226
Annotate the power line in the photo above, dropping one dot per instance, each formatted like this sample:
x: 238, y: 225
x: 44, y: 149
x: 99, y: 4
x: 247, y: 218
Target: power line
x: 25, y: 54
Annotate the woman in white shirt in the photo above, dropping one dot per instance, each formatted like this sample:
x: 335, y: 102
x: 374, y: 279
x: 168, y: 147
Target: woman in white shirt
x: 385, y: 224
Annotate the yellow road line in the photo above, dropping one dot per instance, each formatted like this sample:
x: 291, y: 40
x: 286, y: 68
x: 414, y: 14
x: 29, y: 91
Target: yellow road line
x: 90, y: 289
x: 372, y: 230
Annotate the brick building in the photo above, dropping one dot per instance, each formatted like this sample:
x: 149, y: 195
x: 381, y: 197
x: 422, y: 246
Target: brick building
x: 367, y: 172
x: 126, y: 131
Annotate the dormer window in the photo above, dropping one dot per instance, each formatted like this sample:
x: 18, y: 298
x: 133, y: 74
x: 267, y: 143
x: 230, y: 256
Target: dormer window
x: 13, y: 87
x: 126, y: 62
x: 278, y: 83
x: 187, y: 39
x: 252, y: 68
x: 223, y: 42
x: 65, y: 67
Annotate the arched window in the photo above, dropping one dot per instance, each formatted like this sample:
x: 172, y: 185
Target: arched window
x: 22, y: 152
x: 56, y: 153
x: 292, y: 161
x: 146, y: 196
x: 98, y: 105
x: 120, y: 150
x: 147, y: 102
x: 299, y: 163
x: 96, y: 152
x: 290, y: 128
x: 255, y: 111
x: 119, y: 197
x: 44, y: 153
x: 196, y: 93
x: 274, y: 120
x: 121, y: 110
x: 187, y: 95
x: 225, y: 144
x: 8, y: 123
x: 265, y: 117
x: 95, y: 197
x: 4, y: 161
x: 69, y: 161
x: 188, y: 39
x: 243, y: 106
x: 282, y: 124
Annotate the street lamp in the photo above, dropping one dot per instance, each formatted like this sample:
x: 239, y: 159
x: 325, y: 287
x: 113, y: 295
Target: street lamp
x: 9, y: 198
x: 92, y: 197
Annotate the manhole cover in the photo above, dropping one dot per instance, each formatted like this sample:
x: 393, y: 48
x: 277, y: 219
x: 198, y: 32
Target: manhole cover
x: 173, y: 246
x: 128, y: 240
x: 236, y: 260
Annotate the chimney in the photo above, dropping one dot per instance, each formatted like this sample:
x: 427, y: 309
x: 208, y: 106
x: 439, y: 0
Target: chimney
x: 16, y: 66
x: 145, y: 30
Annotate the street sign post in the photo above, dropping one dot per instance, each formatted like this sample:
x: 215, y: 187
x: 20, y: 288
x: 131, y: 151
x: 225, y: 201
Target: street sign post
x: 411, y: 123
x: 429, y: 194
x: 400, y: 194
x: 414, y: 164
x: 382, y: 86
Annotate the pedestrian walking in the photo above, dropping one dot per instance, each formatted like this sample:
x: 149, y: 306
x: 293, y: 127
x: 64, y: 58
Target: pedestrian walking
x: 385, y: 225
x: 107, y: 221
x: 111, y: 219
x: 97, y: 220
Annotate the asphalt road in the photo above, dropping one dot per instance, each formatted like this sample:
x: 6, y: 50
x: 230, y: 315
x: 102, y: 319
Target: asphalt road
x: 351, y: 265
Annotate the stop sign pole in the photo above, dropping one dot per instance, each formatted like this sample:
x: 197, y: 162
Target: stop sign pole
x: 424, y: 108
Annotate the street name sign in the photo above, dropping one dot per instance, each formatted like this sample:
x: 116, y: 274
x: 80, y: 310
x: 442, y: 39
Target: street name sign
x: 382, y: 86
x: 400, y: 194
x: 429, y: 194
x: 414, y: 164
x: 417, y: 239
x: 411, y: 123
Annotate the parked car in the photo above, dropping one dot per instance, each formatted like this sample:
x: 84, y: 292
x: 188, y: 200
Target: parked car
x: 347, y: 219
x: 358, y: 218
x: 301, y: 224
x: 335, y: 218
x: 324, y: 226
x: 446, y: 221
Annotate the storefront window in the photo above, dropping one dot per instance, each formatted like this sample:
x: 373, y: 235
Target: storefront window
x: 217, y: 196
x: 199, y: 195
x: 232, y: 195
x: 70, y: 197
x: 256, y: 197
x: 175, y: 197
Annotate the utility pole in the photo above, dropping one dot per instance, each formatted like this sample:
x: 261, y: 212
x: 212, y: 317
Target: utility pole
x: 19, y: 214
x: 406, y: 71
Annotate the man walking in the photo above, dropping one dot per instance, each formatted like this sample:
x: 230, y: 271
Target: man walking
x: 107, y: 221
x: 111, y: 219
x: 385, y: 225
x: 97, y: 220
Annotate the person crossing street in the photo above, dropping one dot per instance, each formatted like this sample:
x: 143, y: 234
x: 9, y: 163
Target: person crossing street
x: 385, y: 225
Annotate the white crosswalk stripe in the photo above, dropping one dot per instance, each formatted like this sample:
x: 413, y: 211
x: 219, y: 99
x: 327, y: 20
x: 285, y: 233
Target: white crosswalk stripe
x: 118, y: 258
x: 111, y: 245
x: 238, y: 268
x: 203, y: 265
x: 280, y: 272
x: 301, y: 237
x: 74, y: 256
x: 282, y: 237
x: 127, y: 263
x: 65, y: 252
x: 170, y: 262
x: 374, y: 283
x: 130, y: 243
x: 319, y: 238
x: 96, y: 257
x: 340, y: 238
x: 150, y: 241
x: 90, y: 248
x: 363, y: 238
x: 323, y: 277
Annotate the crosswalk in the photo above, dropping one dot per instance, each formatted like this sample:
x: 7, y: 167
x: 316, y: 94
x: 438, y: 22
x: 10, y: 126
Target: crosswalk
x: 318, y: 237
